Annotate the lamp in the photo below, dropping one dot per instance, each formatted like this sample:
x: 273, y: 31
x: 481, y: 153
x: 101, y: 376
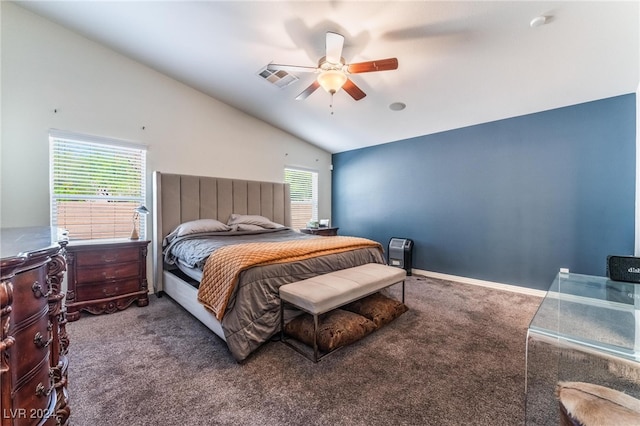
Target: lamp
x: 136, y: 214
x: 332, y: 80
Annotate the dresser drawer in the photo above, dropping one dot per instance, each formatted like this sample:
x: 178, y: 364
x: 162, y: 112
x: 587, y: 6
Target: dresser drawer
x: 30, y: 294
x: 32, y: 341
x: 105, y: 290
x: 107, y: 273
x: 34, y: 391
x: 102, y: 257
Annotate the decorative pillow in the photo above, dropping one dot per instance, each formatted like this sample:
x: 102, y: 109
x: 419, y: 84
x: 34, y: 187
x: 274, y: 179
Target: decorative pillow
x: 248, y: 219
x: 335, y: 329
x: 200, y: 225
x: 591, y: 404
x: 246, y: 227
x: 378, y: 308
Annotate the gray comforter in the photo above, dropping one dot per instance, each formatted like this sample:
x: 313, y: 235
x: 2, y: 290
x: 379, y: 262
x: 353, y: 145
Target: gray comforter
x: 193, y: 250
x: 252, y: 316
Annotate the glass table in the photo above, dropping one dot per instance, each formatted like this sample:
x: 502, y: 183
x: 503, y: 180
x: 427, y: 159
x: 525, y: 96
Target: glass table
x: 587, y: 329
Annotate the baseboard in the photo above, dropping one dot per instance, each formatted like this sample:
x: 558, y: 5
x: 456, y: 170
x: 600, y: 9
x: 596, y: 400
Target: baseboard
x: 482, y: 283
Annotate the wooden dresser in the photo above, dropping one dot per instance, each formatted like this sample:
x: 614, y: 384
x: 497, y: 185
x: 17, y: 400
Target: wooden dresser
x: 324, y: 231
x: 105, y: 276
x: 33, y: 338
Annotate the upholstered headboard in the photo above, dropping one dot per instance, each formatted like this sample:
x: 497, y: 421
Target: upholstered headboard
x: 181, y: 198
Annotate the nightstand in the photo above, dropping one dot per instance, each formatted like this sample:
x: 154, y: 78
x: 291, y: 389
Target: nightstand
x: 104, y: 276
x: 324, y: 231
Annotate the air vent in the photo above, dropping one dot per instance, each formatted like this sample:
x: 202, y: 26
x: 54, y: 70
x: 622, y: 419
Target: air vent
x: 278, y: 78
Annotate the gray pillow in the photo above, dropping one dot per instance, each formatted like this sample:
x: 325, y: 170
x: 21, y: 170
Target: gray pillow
x: 246, y: 227
x: 200, y: 225
x: 252, y: 219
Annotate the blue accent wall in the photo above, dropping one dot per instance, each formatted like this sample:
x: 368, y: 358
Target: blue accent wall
x: 510, y: 201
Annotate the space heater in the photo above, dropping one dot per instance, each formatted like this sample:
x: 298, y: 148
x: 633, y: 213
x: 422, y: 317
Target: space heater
x: 623, y: 268
x: 400, y: 253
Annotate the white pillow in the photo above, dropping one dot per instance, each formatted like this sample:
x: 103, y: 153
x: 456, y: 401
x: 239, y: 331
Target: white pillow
x: 248, y: 219
x: 200, y: 225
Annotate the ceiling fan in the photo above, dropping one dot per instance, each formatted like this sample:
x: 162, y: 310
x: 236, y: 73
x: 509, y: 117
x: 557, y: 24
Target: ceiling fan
x: 333, y: 72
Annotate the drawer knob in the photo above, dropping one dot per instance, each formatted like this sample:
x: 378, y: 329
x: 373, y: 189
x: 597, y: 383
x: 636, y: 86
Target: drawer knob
x: 107, y: 258
x: 37, y: 290
x: 39, y: 341
x: 42, y: 391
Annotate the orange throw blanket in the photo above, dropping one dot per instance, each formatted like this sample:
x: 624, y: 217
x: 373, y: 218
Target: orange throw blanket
x: 223, y: 266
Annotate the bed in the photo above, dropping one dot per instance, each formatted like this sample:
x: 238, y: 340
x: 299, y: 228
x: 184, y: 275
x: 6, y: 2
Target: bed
x: 250, y: 313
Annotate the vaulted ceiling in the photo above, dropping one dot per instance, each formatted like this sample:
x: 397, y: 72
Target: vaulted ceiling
x: 460, y: 63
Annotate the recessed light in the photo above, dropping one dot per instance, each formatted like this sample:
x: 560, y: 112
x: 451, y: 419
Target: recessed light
x: 538, y: 21
x: 397, y: 106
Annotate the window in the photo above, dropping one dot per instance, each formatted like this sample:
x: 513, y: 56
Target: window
x: 96, y: 184
x: 304, y: 196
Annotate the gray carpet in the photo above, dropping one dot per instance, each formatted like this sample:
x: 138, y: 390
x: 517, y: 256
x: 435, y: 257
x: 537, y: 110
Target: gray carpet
x: 456, y: 357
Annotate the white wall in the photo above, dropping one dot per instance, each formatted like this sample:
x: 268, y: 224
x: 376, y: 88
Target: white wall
x: 46, y: 68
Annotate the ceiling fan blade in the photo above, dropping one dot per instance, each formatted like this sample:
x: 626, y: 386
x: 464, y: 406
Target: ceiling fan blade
x: 334, y: 45
x: 370, y: 66
x: 309, y: 90
x: 290, y: 68
x: 353, y: 90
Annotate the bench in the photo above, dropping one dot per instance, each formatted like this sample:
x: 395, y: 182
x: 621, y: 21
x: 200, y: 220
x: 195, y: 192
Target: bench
x: 330, y: 291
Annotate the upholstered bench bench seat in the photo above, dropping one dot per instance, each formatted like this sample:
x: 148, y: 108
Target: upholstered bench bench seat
x: 330, y: 291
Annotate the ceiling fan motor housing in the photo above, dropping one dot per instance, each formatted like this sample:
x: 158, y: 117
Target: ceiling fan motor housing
x: 325, y: 65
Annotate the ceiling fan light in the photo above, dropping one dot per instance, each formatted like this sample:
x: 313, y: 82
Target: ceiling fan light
x: 332, y: 80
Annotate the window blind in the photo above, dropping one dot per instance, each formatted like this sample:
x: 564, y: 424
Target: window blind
x: 304, y: 195
x: 95, y: 185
